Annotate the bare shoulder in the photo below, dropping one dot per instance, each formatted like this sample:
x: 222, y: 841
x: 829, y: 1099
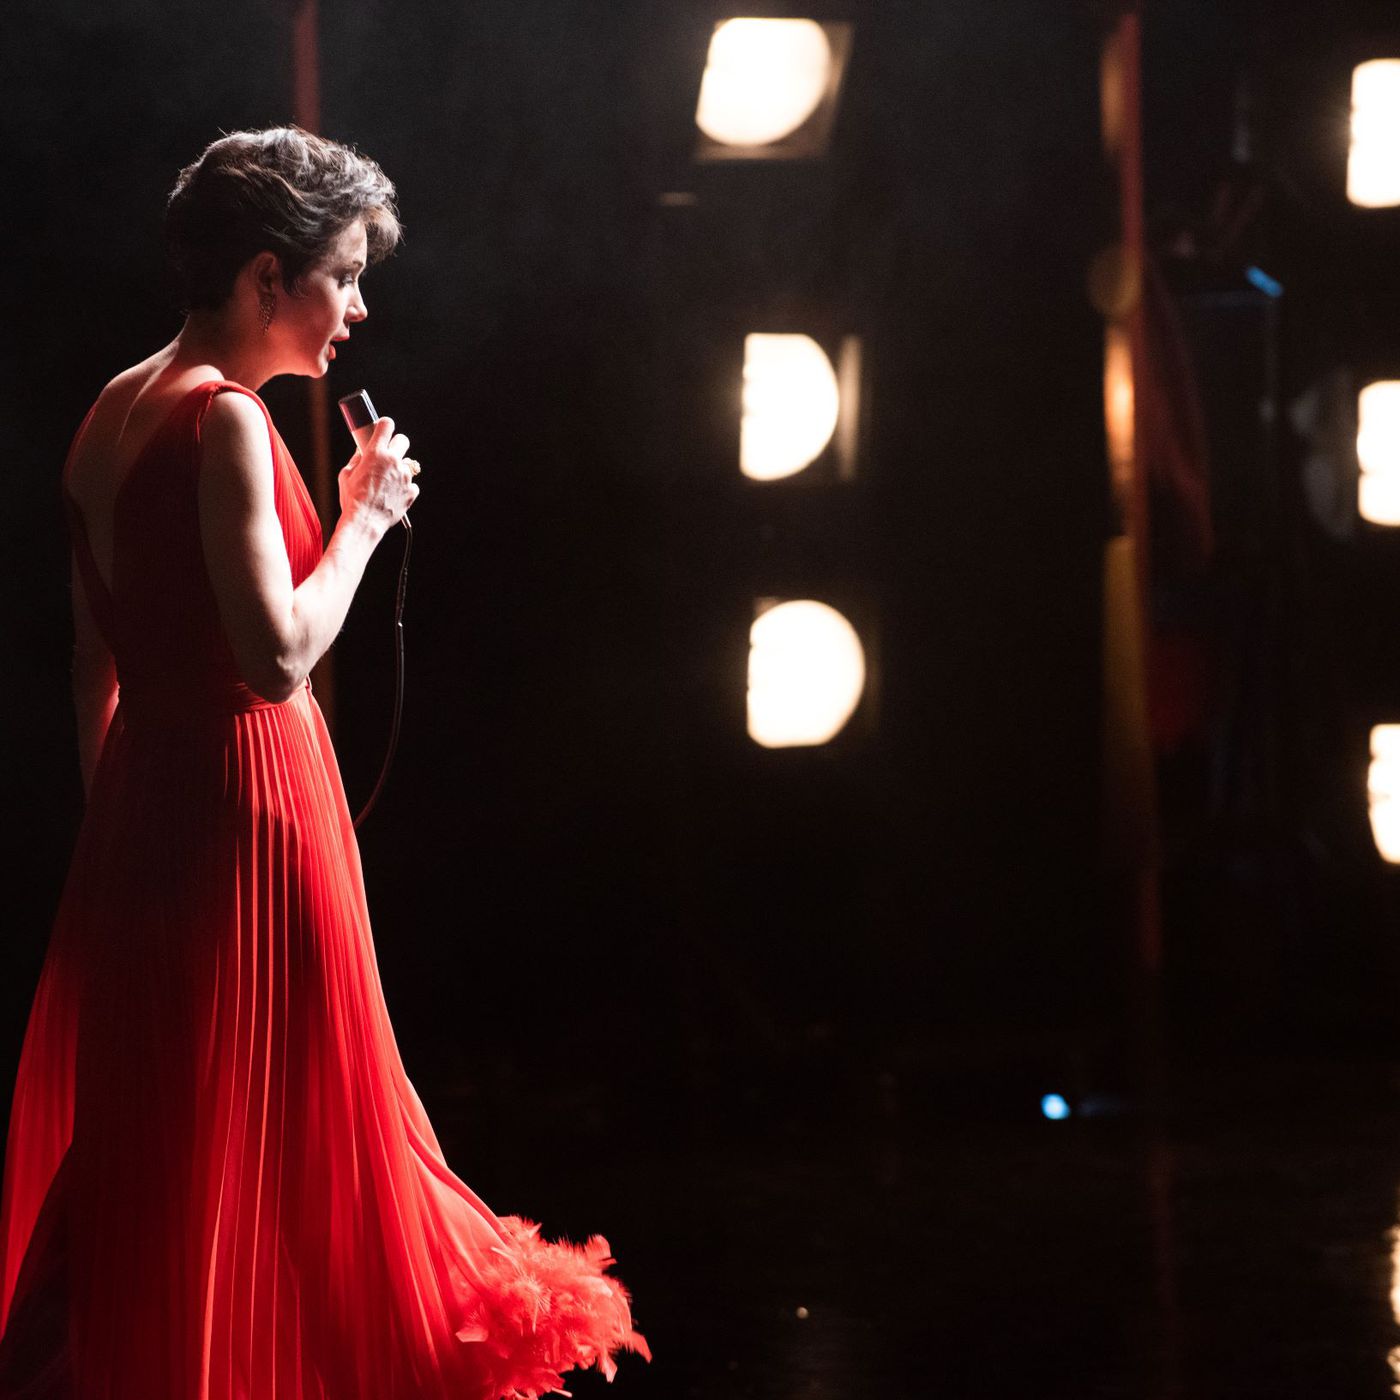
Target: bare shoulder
x: 114, y: 402
x: 235, y: 420
x: 134, y: 401
x: 236, y: 450
x: 122, y: 390
x: 103, y: 444
x: 128, y: 382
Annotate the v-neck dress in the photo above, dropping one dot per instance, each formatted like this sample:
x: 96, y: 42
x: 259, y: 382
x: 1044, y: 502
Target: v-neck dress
x: 219, y: 1183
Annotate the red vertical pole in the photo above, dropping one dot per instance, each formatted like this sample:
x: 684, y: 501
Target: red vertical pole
x: 1138, y: 519
x: 1130, y: 199
x: 1130, y: 797
x: 1130, y: 808
x: 306, y: 112
x: 1135, y: 520
x: 306, y: 67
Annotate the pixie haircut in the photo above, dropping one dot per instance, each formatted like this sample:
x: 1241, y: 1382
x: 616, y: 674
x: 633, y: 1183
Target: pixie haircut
x: 282, y: 190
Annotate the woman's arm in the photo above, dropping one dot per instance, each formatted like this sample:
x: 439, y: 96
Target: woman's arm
x: 94, y: 682
x: 279, y: 632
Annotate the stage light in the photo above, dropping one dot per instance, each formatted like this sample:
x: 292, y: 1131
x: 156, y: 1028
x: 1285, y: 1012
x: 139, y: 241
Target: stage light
x: 1393, y: 1355
x: 1393, y: 1236
x: 1378, y: 452
x: 806, y: 674
x: 769, y: 88
x: 790, y: 408
x: 763, y: 79
x: 1373, y: 166
x: 1054, y: 1107
x: 1383, y: 790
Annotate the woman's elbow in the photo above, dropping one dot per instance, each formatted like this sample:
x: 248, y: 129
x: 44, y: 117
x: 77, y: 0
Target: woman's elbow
x: 274, y: 679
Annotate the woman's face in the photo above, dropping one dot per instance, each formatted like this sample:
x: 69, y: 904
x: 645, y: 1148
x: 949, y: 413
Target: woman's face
x: 329, y: 302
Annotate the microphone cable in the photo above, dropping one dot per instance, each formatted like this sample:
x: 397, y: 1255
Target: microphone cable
x: 398, y: 675
x: 358, y: 412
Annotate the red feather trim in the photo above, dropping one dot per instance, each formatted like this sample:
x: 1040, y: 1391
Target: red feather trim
x: 543, y: 1308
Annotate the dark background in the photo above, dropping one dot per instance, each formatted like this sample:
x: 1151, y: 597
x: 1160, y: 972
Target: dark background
x: 597, y: 906
x: 580, y: 851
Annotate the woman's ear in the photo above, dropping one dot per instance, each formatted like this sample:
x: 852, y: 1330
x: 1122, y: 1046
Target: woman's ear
x: 267, y: 273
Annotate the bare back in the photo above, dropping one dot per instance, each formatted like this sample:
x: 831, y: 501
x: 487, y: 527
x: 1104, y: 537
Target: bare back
x: 130, y: 410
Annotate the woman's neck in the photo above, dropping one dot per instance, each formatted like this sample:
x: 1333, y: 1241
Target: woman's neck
x: 211, y: 338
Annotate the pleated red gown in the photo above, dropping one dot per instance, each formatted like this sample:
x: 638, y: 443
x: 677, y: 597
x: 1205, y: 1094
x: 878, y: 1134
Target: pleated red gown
x: 219, y: 1182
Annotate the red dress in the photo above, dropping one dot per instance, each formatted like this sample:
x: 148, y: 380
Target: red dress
x: 219, y: 1183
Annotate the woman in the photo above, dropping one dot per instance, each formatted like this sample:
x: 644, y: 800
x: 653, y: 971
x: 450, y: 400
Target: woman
x: 219, y: 1183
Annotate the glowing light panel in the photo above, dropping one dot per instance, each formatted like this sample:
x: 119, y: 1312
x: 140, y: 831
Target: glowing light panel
x: 1378, y: 452
x: 1118, y: 404
x: 763, y: 79
x: 791, y: 404
x: 1373, y: 166
x: 1383, y: 790
x: 806, y: 674
x: 1393, y: 1356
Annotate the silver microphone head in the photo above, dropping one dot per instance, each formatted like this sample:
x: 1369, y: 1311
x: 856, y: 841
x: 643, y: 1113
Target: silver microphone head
x: 358, y: 412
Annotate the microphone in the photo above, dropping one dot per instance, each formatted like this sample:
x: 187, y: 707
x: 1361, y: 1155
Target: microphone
x: 359, y: 415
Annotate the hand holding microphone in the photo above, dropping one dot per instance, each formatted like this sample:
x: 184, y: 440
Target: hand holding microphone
x: 378, y: 481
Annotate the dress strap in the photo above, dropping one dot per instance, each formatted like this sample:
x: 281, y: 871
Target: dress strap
x: 212, y: 388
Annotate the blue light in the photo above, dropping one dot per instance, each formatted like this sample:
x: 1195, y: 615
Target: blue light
x: 1268, y: 285
x: 1054, y: 1107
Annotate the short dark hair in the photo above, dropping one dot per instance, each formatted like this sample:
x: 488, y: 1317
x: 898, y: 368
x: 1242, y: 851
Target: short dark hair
x: 283, y: 190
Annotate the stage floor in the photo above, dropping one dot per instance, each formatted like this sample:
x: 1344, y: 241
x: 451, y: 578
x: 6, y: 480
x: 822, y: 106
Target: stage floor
x: 865, y: 1239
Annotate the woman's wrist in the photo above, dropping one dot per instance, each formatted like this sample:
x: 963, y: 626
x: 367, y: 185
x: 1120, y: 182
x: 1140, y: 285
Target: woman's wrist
x: 362, y: 526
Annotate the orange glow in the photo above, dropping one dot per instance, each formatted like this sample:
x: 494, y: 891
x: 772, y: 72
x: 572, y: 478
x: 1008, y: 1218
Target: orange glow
x: 1118, y: 405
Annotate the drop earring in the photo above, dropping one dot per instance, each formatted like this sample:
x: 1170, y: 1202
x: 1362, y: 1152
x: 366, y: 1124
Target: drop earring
x: 267, y: 306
